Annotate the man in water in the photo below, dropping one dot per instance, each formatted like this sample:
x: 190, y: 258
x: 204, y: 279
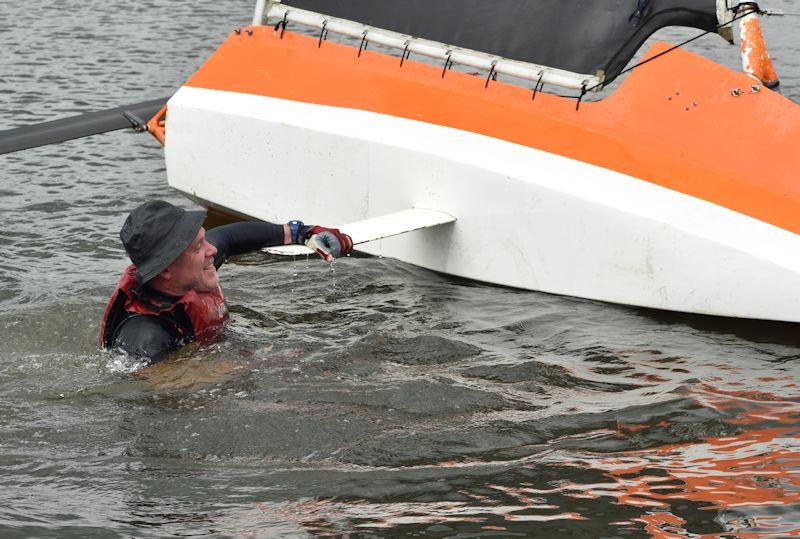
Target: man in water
x: 170, y: 295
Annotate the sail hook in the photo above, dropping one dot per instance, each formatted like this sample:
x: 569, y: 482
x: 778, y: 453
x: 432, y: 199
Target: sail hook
x: 322, y: 33
x: 539, y: 85
x: 492, y: 72
x: 448, y: 63
x: 406, y: 53
x: 282, y: 23
x: 364, y: 43
x: 580, y: 97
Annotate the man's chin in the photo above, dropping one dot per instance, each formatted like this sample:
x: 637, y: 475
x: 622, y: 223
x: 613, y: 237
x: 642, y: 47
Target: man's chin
x: 207, y: 283
x: 211, y: 284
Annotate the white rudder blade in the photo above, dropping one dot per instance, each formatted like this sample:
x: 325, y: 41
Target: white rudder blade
x: 377, y: 228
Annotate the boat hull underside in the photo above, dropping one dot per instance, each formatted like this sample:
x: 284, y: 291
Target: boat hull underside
x: 526, y: 218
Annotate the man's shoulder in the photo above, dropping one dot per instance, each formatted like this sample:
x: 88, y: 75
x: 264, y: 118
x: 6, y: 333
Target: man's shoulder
x: 148, y: 336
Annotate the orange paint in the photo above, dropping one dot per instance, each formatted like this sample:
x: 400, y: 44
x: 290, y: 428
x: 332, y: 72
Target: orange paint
x: 755, y: 58
x: 157, y: 125
x: 673, y: 122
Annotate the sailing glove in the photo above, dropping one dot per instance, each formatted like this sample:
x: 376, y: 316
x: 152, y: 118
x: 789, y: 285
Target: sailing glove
x: 329, y: 243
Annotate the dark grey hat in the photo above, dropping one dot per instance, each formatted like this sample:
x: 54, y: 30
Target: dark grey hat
x: 156, y: 233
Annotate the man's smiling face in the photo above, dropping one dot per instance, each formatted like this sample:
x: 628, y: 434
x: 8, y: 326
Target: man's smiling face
x: 194, y: 268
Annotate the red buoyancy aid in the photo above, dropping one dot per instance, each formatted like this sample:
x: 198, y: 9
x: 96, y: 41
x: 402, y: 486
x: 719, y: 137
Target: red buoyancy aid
x: 206, y: 311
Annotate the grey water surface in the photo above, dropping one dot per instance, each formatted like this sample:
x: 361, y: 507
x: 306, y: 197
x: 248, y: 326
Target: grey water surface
x: 375, y: 399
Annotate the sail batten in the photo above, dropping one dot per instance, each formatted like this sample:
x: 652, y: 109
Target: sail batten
x: 407, y: 44
x: 577, y: 36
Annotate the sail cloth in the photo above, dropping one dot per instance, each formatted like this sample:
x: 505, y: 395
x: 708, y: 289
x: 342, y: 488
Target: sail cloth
x: 582, y: 36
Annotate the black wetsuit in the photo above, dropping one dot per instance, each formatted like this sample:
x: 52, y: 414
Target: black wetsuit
x: 152, y: 337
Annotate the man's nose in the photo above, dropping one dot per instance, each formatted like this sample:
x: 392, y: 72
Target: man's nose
x: 210, y: 249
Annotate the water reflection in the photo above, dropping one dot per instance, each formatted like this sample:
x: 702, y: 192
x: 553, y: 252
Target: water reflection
x: 736, y: 478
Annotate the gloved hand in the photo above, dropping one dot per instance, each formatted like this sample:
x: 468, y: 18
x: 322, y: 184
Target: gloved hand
x: 329, y: 243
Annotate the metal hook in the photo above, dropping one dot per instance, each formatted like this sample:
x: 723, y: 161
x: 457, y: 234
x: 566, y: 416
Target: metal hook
x: 447, y: 63
x: 405, y: 54
x: 538, y: 86
x: 322, y: 33
x: 491, y: 72
x: 364, y: 43
x: 282, y: 24
x: 583, y: 93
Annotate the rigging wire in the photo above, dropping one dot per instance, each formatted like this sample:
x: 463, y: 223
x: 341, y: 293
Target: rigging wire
x: 678, y: 46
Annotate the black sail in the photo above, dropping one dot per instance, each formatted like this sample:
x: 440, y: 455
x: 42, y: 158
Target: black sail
x: 584, y: 36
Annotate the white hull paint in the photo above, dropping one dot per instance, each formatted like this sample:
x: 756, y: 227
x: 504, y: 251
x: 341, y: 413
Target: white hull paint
x: 526, y: 218
x: 377, y: 228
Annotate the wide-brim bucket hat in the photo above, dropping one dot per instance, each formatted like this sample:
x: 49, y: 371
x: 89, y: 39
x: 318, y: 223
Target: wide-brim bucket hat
x: 156, y: 233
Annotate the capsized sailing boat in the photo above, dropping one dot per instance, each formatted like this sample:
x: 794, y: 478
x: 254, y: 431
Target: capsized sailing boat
x: 679, y: 191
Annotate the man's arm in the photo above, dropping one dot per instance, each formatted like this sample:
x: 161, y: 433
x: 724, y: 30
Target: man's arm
x: 239, y: 238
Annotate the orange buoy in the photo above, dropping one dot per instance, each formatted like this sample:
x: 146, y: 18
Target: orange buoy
x: 755, y: 58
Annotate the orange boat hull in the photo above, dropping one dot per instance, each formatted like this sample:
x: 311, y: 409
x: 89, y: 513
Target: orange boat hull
x: 684, y: 145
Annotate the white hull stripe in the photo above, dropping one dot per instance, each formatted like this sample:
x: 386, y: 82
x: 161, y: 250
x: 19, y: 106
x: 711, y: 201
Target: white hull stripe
x: 527, y: 218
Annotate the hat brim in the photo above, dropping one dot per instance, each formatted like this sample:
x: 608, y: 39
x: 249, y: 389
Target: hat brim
x: 179, y: 238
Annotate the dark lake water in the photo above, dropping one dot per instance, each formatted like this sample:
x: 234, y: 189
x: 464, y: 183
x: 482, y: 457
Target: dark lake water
x: 374, y: 400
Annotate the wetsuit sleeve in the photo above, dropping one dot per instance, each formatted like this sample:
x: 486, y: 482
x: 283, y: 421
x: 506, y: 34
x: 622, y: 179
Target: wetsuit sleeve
x: 146, y: 337
x: 239, y: 238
